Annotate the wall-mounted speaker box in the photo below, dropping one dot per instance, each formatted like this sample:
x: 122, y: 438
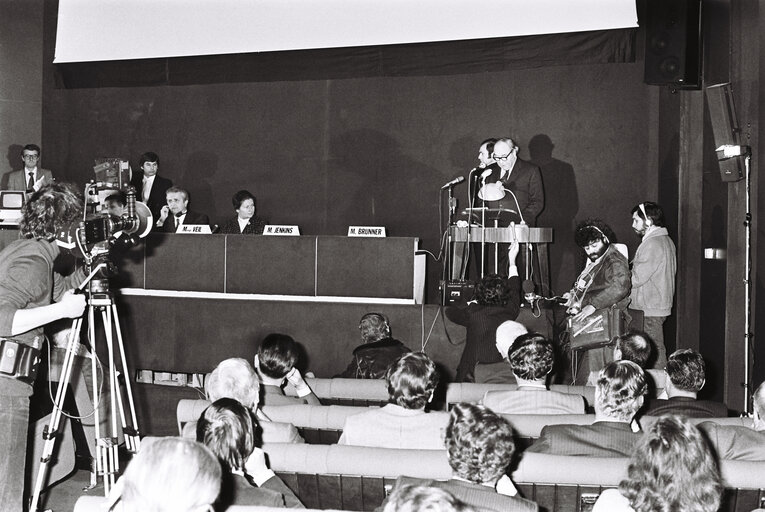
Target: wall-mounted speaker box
x: 673, y: 48
x: 722, y: 114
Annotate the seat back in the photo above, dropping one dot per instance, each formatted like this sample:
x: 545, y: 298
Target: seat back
x: 473, y: 393
x: 355, y: 392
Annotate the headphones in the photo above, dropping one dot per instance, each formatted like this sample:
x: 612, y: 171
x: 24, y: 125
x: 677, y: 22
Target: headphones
x: 646, y: 218
x: 596, y: 228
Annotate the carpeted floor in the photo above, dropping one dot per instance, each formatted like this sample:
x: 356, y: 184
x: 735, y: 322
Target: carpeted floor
x: 62, y: 496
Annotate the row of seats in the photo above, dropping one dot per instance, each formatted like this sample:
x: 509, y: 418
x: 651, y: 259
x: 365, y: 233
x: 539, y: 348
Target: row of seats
x: 332, y: 417
x: 375, y: 391
x: 98, y: 504
x: 356, y: 478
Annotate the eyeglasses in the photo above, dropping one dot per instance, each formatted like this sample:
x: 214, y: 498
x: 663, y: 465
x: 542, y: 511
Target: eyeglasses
x: 30, y: 157
x: 497, y: 157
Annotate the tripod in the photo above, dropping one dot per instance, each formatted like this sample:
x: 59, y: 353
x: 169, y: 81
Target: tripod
x: 106, y: 460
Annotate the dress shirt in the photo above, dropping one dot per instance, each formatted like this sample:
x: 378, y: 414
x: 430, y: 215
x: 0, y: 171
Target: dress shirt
x: 148, y: 181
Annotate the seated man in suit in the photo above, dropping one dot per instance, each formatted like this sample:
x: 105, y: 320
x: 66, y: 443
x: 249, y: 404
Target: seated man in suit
x: 501, y: 373
x: 531, y: 358
x: 685, y: 378
x: 618, y: 397
x: 378, y: 351
x: 235, y: 378
x: 275, y: 363
x: 31, y: 177
x: 738, y: 442
x: 479, y: 444
x: 403, y: 423
x: 228, y: 430
x: 177, y: 204
x: 637, y: 347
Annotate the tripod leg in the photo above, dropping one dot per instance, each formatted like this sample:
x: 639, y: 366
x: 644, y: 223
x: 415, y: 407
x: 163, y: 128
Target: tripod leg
x: 51, y: 431
x: 97, y: 463
x: 132, y: 438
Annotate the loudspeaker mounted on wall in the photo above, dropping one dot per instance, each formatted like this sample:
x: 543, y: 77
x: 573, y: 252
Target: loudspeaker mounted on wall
x: 722, y: 114
x: 673, y: 46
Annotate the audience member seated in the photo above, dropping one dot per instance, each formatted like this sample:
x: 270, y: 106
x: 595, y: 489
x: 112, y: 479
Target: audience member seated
x: 633, y: 346
x: 235, y: 378
x: 741, y: 443
x: 177, y: 205
x: 245, y: 222
x: 378, y: 351
x: 500, y: 373
x: 403, y: 423
x: 275, y: 362
x: 479, y: 444
x: 618, y: 397
x: 531, y: 359
x: 685, y: 378
x: 497, y: 300
x: 673, y: 468
x: 170, y: 474
x: 226, y: 427
x: 421, y: 498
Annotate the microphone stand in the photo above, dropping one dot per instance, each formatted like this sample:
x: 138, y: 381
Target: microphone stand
x: 471, y: 203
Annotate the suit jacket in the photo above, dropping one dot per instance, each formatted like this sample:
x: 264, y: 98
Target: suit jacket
x: 525, y: 400
x: 393, y: 426
x: 191, y: 218
x: 494, y: 373
x: 254, y: 226
x: 480, y: 497
x: 371, y: 360
x: 735, y: 442
x: 686, y: 406
x: 17, y: 180
x: 157, y: 197
x: 601, y: 439
x: 237, y: 490
x: 525, y: 180
x: 481, y: 323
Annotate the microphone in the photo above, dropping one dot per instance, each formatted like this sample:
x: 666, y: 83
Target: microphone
x: 485, y: 174
x: 528, y: 291
x: 458, y: 179
x: 520, y: 214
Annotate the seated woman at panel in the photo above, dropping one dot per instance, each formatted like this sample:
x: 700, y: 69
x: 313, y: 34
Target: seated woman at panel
x: 245, y: 222
x: 403, y: 423
x: 235, y: 378
x: 673, y: 468
x: 168, y: 475
x: 228, y: 430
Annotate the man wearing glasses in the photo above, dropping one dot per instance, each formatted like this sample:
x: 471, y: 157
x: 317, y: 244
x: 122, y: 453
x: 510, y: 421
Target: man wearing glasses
x: 521, y: 178
x: 31, y: 177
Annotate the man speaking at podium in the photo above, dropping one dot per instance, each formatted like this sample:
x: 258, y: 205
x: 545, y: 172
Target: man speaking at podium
x: 520, y: 178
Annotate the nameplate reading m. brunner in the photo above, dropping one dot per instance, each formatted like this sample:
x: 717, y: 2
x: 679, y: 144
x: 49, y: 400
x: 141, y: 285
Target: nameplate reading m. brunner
x: 275, y: 229
x: 194, y: 229
x: 373, y: 231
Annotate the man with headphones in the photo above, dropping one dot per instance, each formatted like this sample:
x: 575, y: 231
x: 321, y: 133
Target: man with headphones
x: 603, y: 284
x: 653, y: 274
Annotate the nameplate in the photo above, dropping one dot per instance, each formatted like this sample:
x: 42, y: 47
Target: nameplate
x: 373, y: 231
x: 279, y: 230
x: 194, y: 229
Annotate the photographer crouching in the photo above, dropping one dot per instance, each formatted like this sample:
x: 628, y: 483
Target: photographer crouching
x: 31, y: 296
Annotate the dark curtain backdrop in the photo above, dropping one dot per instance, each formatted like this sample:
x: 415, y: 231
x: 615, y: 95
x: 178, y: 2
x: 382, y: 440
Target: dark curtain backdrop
x: 371, y: 138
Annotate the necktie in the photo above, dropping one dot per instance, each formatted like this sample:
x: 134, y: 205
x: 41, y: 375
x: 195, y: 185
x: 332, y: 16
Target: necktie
x: 31, y: 181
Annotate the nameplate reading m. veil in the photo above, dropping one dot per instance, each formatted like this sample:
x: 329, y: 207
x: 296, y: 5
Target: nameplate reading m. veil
x: 194, y: 229
x: 373, y: 231
x: 274, y: 229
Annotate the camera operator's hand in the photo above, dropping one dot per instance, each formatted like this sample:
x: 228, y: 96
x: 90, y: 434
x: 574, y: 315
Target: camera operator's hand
x: 71, y: 304
x: 584, y: 313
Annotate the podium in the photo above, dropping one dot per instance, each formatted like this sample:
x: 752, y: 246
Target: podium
x: 537, y: 237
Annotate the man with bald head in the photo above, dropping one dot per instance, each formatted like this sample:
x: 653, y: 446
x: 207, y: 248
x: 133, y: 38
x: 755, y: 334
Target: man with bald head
x: 519, y: 177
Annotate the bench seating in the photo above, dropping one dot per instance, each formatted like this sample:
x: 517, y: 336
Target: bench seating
x: 355, y: 478
x: 98, y: 504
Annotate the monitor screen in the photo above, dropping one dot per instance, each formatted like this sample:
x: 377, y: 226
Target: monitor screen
x: 11, y: 200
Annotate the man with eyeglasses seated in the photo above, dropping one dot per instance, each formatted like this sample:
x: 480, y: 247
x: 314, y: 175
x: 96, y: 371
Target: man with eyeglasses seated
x: 31, y: 177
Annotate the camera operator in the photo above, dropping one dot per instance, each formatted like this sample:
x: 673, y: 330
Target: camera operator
x: 31, y: 296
